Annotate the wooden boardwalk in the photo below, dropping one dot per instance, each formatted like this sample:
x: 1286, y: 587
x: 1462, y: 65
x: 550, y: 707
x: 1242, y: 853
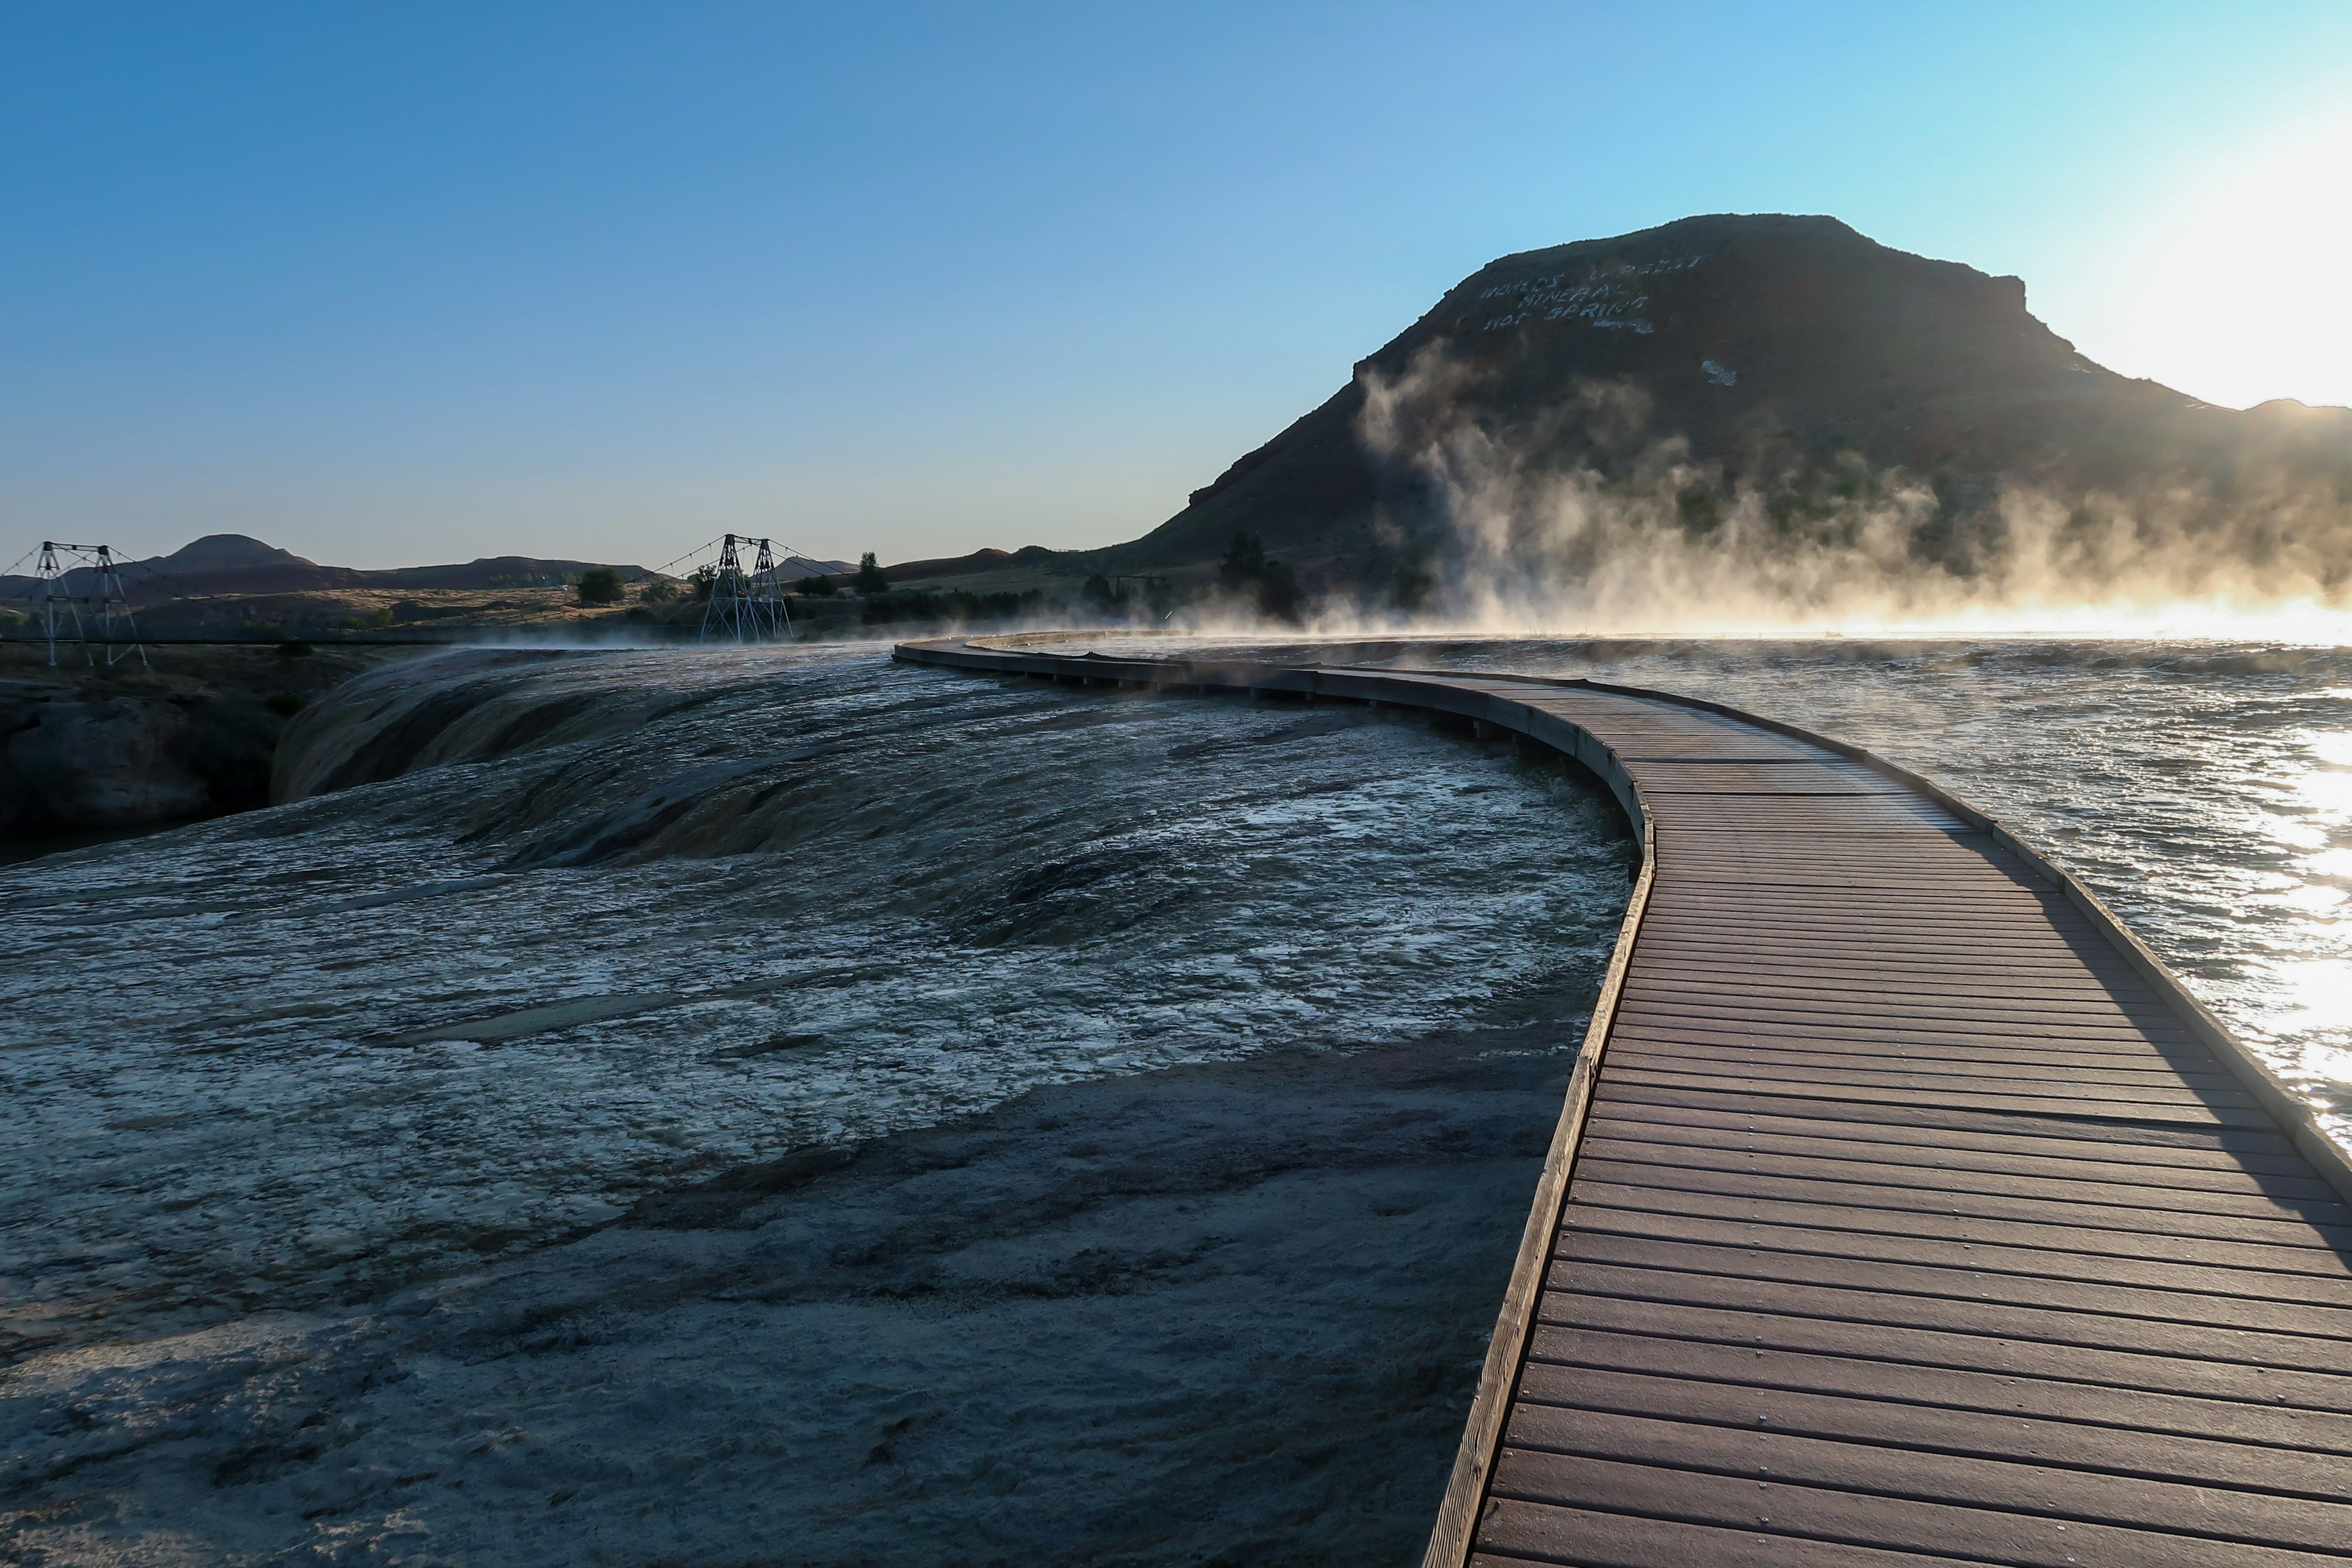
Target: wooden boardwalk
x: 1903, y: 1208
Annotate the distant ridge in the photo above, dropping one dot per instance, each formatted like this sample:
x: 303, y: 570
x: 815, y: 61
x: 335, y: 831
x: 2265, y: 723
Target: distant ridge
x: 978, y: 561
x: 237, y: 563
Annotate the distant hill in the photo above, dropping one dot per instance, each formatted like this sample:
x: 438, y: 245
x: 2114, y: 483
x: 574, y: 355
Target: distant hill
x: 236, y: 563
x: 978, y: 561
x: 1789, y: 358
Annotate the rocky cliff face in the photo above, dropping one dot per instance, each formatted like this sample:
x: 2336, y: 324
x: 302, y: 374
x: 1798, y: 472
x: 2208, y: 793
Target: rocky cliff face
x: 111, y: 760
x: 193, y: 734
x: 1772, y: 356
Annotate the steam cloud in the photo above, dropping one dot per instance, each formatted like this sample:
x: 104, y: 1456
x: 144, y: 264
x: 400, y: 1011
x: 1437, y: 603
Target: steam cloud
x: 1669, y: 542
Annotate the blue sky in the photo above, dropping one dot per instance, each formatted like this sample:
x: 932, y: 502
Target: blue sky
x: 390, y: 284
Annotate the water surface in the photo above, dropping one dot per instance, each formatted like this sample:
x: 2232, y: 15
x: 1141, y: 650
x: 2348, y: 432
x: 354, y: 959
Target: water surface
x: 538, y: 1143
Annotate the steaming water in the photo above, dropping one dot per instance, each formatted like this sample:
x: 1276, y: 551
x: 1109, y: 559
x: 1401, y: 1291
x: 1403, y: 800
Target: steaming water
x: 320, y: 1118
x: 2203, y: 789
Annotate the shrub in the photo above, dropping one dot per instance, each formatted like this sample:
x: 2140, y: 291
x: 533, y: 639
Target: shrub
x: 1248, y: 570
x: 602, y: 586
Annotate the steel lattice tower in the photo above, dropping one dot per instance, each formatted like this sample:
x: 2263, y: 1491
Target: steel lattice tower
x: 109, y: 600
x: 769, y: 593
x: 744, y: 606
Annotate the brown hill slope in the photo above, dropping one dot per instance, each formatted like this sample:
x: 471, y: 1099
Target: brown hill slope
x: 1788, y: 361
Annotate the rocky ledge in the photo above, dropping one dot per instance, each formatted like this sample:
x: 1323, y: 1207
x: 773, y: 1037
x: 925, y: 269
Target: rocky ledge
x: 187, y: 733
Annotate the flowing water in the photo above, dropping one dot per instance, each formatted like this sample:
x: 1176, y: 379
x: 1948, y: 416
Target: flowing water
x: 579, y: 1027
x: 596, y: 1023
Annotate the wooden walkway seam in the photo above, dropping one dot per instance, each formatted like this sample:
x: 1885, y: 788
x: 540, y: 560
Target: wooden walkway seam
x: 1903, y: 1206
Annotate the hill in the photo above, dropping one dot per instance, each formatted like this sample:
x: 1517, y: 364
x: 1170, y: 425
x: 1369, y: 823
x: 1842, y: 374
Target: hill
x: 1785, y: 364
x: 236, y: 563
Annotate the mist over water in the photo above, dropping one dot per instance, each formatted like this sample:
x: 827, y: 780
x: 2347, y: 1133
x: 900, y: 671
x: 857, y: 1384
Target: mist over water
x: 1594, y: 515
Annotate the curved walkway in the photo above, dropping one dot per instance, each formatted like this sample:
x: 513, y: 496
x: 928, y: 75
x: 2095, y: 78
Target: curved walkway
x: 1903, y: 1207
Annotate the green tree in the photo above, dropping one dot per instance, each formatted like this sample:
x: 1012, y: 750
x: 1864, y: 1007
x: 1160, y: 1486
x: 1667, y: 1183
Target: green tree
x: 820, y: 586
x: 1248, y: 571
x: 602, y: 586
x: 1278, y: 591
x: 869, y: 579
x: 1244, y: 565
x: 1099, y: 592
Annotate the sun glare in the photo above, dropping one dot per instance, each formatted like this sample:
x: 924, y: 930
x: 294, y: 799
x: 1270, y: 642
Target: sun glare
x: 2242, y: 295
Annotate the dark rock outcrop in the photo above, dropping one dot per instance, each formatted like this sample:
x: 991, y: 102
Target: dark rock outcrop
x: 193, y: 734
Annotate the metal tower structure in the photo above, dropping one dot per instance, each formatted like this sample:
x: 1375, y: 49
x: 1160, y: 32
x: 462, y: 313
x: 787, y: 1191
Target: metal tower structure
x: 727, y: 608
x: 107, y: 600
x: 744, y: 606
x: 769, y: 592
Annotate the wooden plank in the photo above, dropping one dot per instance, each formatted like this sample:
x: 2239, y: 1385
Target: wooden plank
x: 1700, y: 974
x: 1703, y: 969
x: 2209, y: 1304
x: 1942, y: 1531
x: 2130, y: 1058
x: 2041, y: 1105
x: 1895, y: 943
x: 2159, y: 1372
x: 1860, y: 940
x: 2226, y: 1522
x: 1798, y: 954
x: 2253, y: 1286
x: 2258, y: 1149
x: 2276, y: 1431
x: 2054, y: 1235
x: 1768, y: 1018
x: 1795, y: 1064
x: 1962, y: 1153
x: 1595, y: 1539
x: 1928, y: 922
x: 1990, y: 897
x: 2192, y: 1460
x: 1885, y: 1007
x: 1608, y: 1175
x: 1771, y: 1030
x: 2253, y: 1354
x: 1806, y: 1158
